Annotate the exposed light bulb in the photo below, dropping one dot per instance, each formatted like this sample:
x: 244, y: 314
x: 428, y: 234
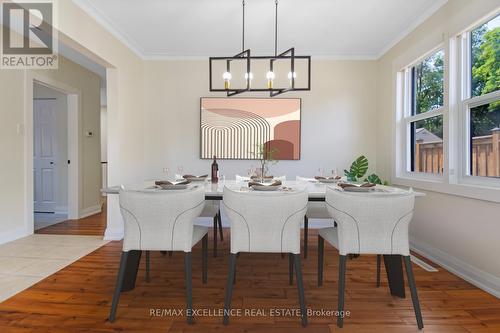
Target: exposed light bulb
x: 227, y: 79
x: 270, y: 76
x: 249, y: 78
x: 290, y: 74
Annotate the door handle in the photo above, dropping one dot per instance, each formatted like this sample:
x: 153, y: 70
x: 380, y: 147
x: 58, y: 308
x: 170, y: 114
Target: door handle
x: 51, y: 163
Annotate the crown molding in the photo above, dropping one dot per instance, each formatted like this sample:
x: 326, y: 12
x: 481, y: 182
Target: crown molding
x: 106, y: 23
x: 102, y: 19
x: 166, y: 57
x: 420, y: 19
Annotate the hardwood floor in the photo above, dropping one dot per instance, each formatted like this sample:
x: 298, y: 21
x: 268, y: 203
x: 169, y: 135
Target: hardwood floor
x: 77, y: 298
x: 94, y: 225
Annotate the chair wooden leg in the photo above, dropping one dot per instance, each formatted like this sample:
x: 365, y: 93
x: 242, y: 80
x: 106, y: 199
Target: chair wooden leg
x: 290, y: 268
x: 342, y: 267
x: 219, y: 221
x: 148, y: 260
x: 229, y: 287
x: 215, y: 236
x: 118, y: 286
x: 321, y: 248
x: 413, y: 290
x: 306, y: 235
x: 189, y: 291
x: 379, y: 260
x: 300, y: 288
x: 204, y: 259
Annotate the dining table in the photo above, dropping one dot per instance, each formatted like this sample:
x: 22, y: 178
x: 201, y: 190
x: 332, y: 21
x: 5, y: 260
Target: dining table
x: 214, y: 191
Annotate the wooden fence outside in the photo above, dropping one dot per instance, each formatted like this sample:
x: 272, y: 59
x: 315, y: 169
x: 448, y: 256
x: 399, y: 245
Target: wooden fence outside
x: 485, y: 156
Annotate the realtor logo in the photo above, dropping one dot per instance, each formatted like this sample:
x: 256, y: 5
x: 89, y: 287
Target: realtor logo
x: 28, y: 35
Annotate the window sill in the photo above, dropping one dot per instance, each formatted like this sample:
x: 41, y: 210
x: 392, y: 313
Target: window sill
x: 477, y: 192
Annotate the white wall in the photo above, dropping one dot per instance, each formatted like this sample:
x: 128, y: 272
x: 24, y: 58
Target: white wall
x: 338, y: 118
x: 104, y: 145
x: 88, y: 84
x: 125, y: 114
x: 458, y: 232
x: 61, y: 128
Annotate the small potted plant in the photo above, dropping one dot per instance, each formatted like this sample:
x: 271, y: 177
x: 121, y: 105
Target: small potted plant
x: 266, y: 155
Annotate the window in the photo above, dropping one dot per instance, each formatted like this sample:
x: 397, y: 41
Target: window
x: 424, y: 109
x: 447, y: 133
x: 481, y: 104
x: 485, y: 58
x: 427, y: 84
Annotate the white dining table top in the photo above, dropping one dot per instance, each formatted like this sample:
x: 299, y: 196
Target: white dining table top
x: 316, y: 190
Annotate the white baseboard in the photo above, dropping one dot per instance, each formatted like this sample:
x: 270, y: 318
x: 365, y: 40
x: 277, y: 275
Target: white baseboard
x: 471, y: 274
x: 113, y: 234
x: 12, y: 235
x: 90, y: 211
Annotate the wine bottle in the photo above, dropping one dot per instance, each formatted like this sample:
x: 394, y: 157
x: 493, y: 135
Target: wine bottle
x: 215, y: 171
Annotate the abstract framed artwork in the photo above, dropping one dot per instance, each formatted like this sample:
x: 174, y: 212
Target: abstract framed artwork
x: 234, y: 128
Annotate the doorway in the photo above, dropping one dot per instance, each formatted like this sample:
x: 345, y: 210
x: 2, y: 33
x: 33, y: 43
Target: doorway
x: 50, y: 156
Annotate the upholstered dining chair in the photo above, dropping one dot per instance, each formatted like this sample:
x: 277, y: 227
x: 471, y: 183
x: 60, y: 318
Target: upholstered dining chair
x: 212, y: 210
x: 315, y: 210
x: 162, y: 221
x: 265, y: 222
x: 369, y: 223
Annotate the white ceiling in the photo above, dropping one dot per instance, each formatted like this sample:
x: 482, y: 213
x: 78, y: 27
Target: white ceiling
x: 358, y: 29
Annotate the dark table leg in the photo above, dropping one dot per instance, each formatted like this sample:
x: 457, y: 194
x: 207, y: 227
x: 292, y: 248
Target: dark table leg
x: 394, y: 269
x: 133, y: 260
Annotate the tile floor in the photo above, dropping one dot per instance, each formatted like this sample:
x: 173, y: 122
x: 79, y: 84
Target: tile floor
x: 28, y: 260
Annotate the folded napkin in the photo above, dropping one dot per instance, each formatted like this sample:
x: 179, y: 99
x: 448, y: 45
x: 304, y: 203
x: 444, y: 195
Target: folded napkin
x: 192, y: 176
x: 259, y: 177
x: 275, y: 183
x: 166, y: 182
x: 321, y: 177
x: 344, y: 185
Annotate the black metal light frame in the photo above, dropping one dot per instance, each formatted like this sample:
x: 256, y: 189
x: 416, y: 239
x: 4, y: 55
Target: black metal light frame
x: 288, y: 54
x: 245, y: 54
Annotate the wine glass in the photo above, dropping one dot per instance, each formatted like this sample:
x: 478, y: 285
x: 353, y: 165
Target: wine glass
x: 166, y: 172
x: 180, y: 170
x: 321, y: 171
x: 251, y: 171
x: 335, y: 172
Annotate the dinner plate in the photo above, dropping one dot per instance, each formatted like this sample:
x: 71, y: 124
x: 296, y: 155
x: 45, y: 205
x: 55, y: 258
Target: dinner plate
x: 265, y: 188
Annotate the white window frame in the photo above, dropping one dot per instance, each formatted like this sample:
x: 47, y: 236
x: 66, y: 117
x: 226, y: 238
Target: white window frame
x: 465, y: 102
x: 404, y: 101
x: 457, y: 103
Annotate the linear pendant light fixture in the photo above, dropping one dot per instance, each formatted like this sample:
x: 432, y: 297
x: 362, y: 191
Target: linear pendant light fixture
x: 270, y: 76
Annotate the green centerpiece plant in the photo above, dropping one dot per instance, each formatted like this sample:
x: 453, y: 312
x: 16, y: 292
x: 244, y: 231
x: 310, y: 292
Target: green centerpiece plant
x: 358, y: 170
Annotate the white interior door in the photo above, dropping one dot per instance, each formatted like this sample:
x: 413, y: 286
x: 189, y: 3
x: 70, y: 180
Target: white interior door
x: 44, y: 151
